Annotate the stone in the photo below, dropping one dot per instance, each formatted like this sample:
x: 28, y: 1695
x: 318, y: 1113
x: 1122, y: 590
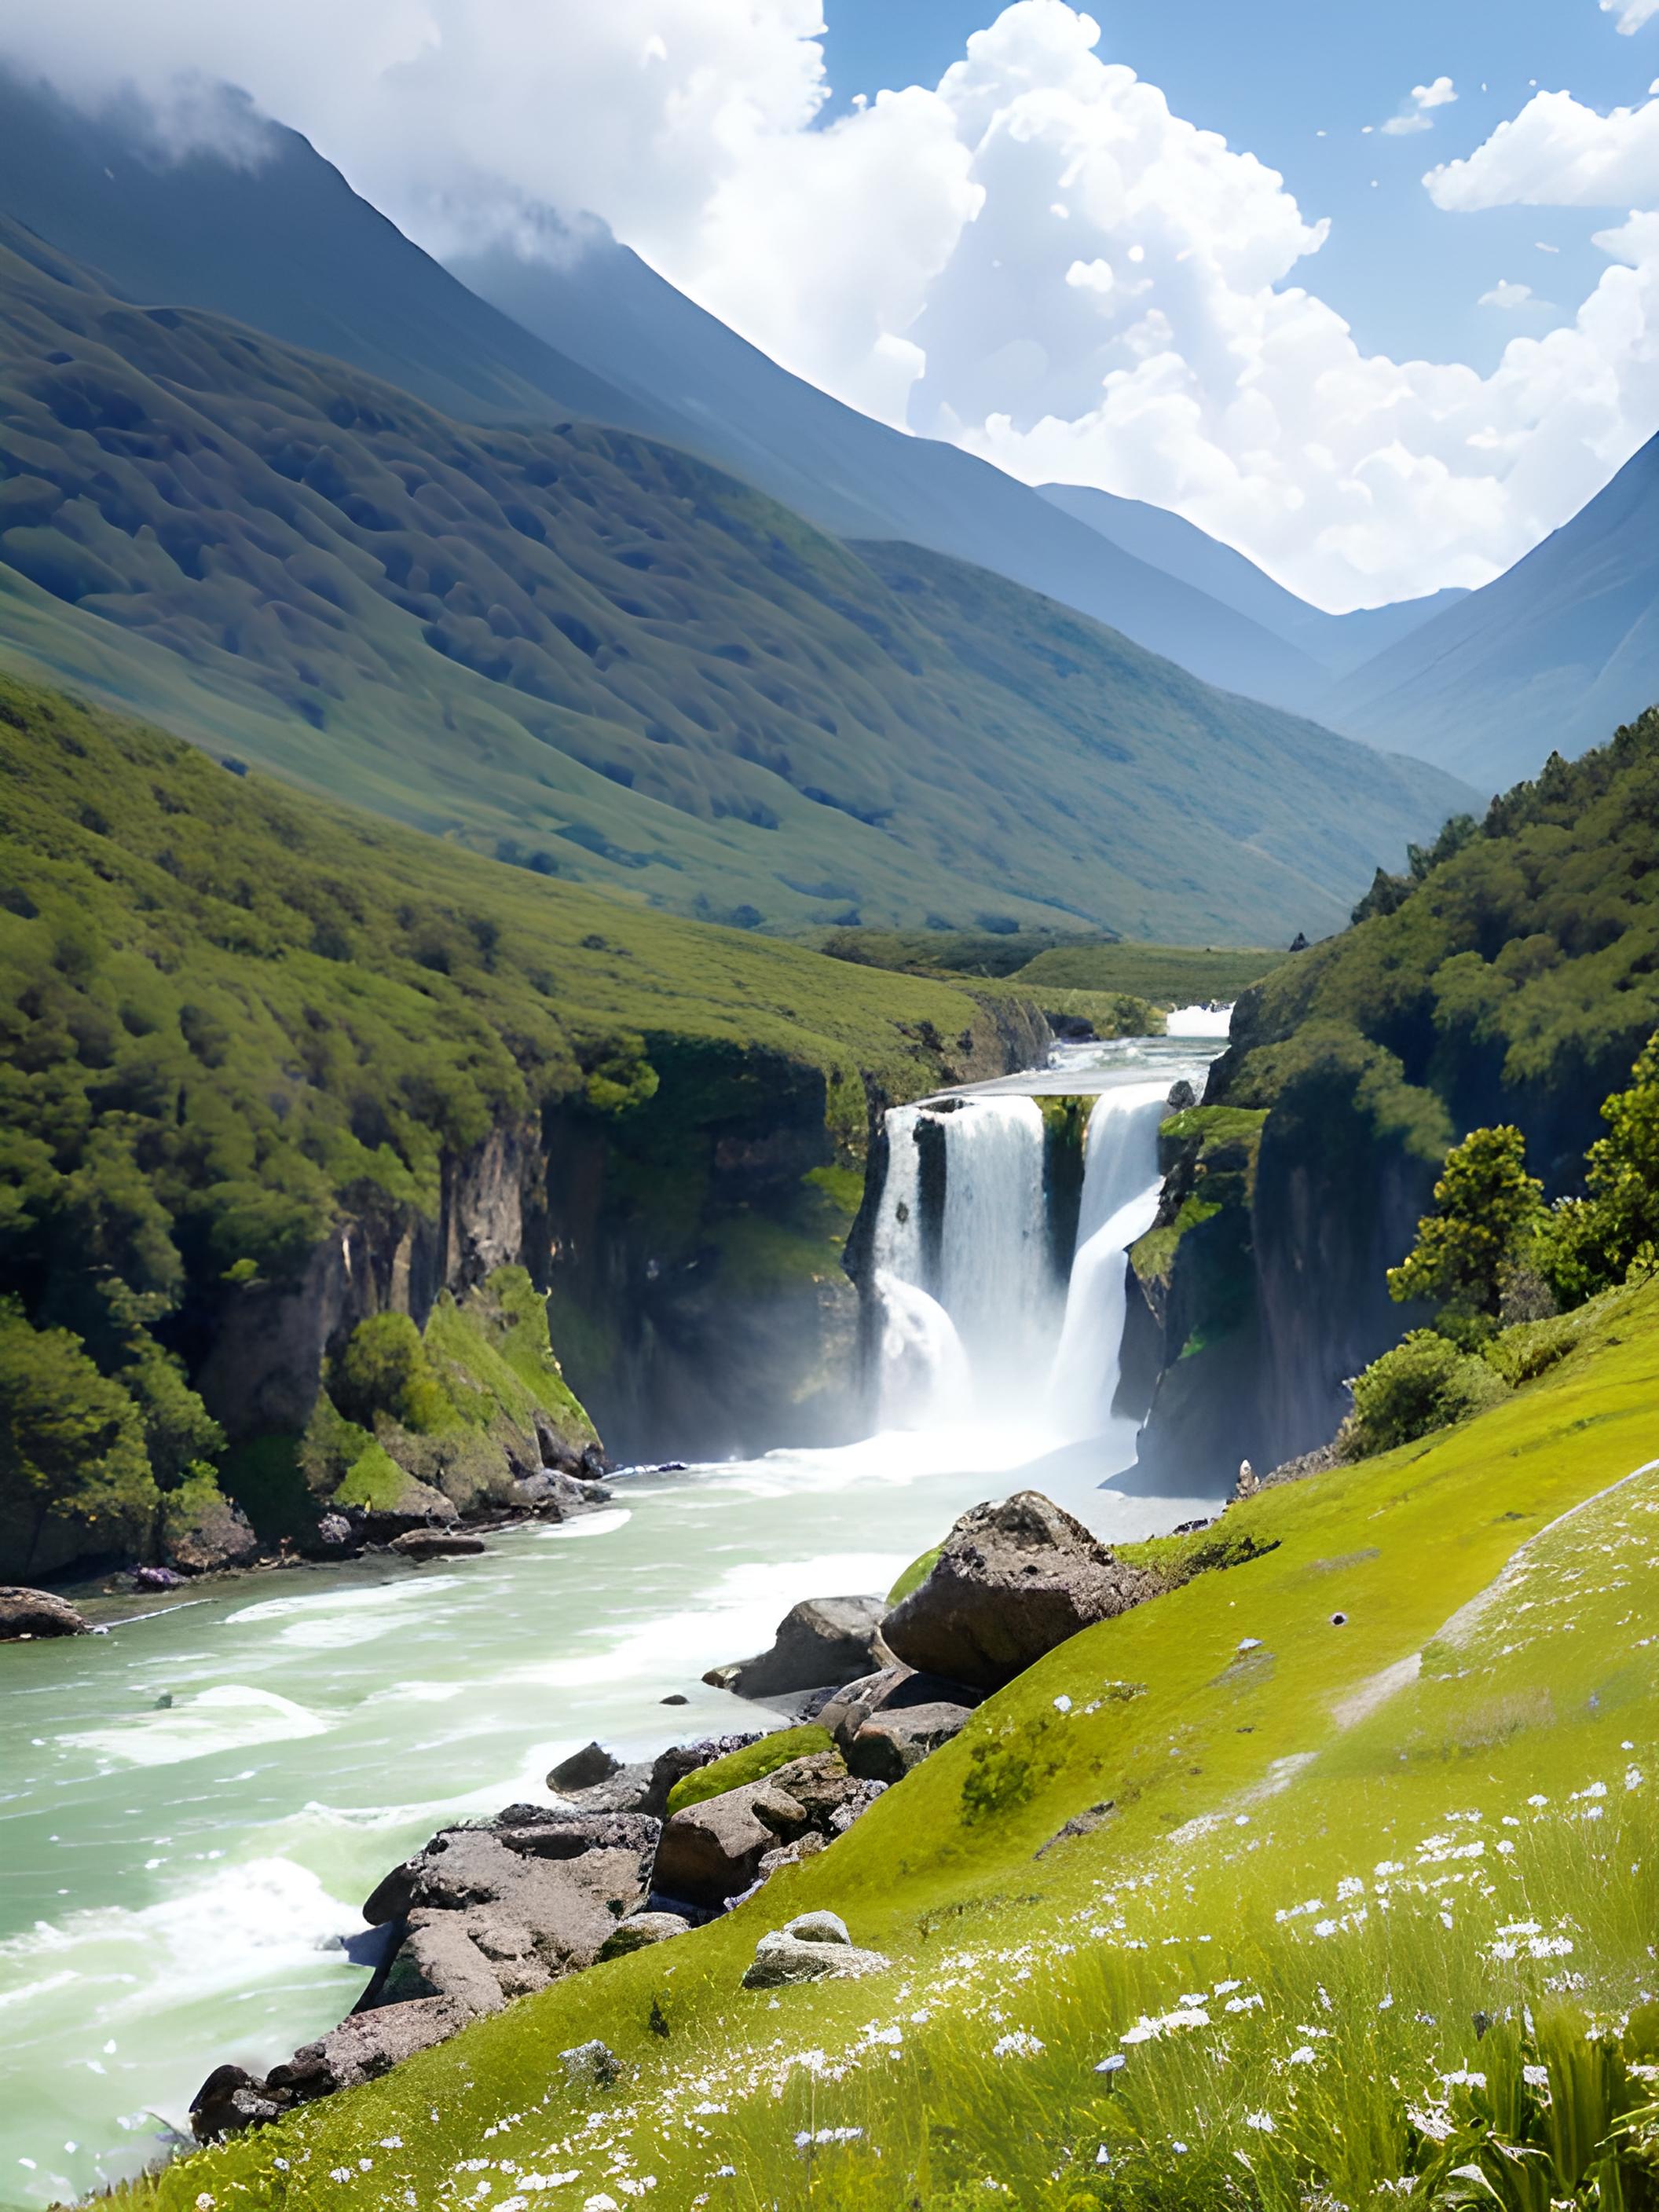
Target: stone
x: 501, y: 1910
x: 785, y: 1957
x: 420, y: 1544
x: 1013, y: 1580
x: 365, y: 2046
x: 157, y: 1578
x: 592, y: 1764
x: 859, y: 1799
x: 594, y: 2063
x: 555, y: 1495
x: 231, y: 2100
x: 680, y: 1760
x: 817, y: 1928
x: 718, y: 1850
x: 626, y: 1791
x: 898, y: 1737
x: 892, y: 1687
x: 26, y: 1614
x: 675, y: 1697
x: 219, y: 1537
x: 822, y: 1640
x: 419, y: 1505
x: 639, y: 1929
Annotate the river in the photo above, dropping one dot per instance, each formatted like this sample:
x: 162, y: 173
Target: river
x: 194, y: 1803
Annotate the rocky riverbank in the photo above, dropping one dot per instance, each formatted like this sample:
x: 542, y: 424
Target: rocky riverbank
x: 624, y: 1855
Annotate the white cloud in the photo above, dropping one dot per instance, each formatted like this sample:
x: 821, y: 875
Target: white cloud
x: 1632, y: 14
x: 1415, y: 113
x: 1505, y: 295
x: 1034, y: 257
x: 1557, y: 153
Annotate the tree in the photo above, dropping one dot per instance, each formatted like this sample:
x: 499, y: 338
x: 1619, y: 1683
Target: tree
x: 1622, y: 1169
x: 71, y: 1445
x: 1487, y: 1215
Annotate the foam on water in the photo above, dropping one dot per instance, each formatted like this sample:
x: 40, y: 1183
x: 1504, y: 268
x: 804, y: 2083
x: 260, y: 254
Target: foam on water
x: 227, y: 1717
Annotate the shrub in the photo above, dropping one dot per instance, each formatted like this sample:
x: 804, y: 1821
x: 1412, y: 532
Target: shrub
x: 1424, y: 1383
x: 384, y: 1370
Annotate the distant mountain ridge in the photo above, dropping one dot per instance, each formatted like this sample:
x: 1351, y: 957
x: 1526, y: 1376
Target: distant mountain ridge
x: 284, y: 245
x: 599, y: 656
x: 1339, y: 643
x: 1547, y: 658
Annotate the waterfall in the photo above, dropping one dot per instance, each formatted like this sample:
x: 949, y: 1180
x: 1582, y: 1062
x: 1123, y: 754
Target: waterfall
x: 978, y: 1327
x: 1119, y: 1198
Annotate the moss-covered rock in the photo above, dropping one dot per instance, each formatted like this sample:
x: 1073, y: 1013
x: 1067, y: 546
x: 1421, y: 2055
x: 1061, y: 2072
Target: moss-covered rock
x: 753, y: 1764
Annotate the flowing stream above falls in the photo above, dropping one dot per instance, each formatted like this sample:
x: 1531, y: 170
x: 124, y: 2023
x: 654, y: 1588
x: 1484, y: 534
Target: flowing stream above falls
x: 193, y: 1806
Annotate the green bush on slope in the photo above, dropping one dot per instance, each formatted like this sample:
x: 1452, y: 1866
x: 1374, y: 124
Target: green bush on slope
x: 1253, y: 1916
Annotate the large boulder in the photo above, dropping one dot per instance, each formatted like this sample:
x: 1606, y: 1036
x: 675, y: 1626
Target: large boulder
x: 211, y: 1538
x: 26, y: 1614
x: 717, y: 1851
x: 555, y: 1495
x: 821, y: 1642
x: 493, y: 1913
x: 892, y: 1742
x: 1013, y: 1580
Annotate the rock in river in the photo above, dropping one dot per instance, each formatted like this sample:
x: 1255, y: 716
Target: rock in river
x: 821, y: 1641
x: 1013, y: 1580
x: 26, y: 1614
x: 420, y: 1544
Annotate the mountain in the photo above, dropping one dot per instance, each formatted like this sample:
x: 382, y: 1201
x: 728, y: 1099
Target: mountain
x: 1338, y: 643
x: 599, y: 657
x: 251, y: 224
x: 266, y: 231
x: 1546, y: 659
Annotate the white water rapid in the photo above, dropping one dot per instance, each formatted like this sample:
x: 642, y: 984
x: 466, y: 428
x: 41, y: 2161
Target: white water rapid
x: 193, y: 1805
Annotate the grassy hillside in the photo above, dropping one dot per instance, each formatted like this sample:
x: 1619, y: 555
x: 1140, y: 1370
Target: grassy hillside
x: 588, y: 653
x: 232, y: 1017
x: 1167, y: 974
x: 1371, y: 1829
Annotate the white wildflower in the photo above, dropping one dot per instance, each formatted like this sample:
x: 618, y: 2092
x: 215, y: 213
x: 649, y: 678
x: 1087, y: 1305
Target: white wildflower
x: 1304, y: 2055
x: 1261, y: 2122
x: 1325, y: 1927
x: 1018, y: 2045
x: 1062, y: 1704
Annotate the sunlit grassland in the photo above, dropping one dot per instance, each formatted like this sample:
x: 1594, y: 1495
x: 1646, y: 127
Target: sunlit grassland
x: 1333, y: 1852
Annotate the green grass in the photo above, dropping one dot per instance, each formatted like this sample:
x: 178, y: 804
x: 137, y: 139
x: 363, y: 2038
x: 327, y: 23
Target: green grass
x: 751, y: 1764
x: 1167, y: 974
x: 1294, y: 1909
x: 588, y: 653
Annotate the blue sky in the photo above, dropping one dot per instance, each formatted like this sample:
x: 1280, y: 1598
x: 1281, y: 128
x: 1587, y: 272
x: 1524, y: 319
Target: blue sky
x: 1269, y: 75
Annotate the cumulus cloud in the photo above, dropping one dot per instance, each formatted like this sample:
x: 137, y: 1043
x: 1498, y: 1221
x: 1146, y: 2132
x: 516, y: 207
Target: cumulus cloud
x: 1632, y: 14
x: 1557, y: 153
x: 1416, y: 113
x: 1034, y: 256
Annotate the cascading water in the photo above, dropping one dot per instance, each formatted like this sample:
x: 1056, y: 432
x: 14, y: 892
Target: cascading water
x: 978, y: 1326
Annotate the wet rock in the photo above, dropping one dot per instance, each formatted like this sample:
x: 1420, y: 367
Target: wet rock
x: 419, y: 1505
x: 26, y: 1614
x: 822, y: 1641
x: 640, y: 1930
x: 558, y: 1496
x: 218, y: 1536
x: 814, y: 1948
x: 1013, y: 1580
x: 420, y: 1544
x: 674, y: 1698
x: 592, y: 1764
x: 594, y: 2063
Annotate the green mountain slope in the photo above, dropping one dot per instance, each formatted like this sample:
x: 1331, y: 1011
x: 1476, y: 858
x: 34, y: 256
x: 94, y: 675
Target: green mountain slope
x: 591, y: 654
x: 1369, y: 1825
x: 239, y: 1026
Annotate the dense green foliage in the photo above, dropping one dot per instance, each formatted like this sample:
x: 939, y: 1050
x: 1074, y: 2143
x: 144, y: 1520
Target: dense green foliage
x: 605, y: 660
x: 1515, y: 982
x: 1245, y: 1814
x: 230, y: 1015
x: 1424, y: 1383
x: 1488, y: 1213
x: 942, y: 952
